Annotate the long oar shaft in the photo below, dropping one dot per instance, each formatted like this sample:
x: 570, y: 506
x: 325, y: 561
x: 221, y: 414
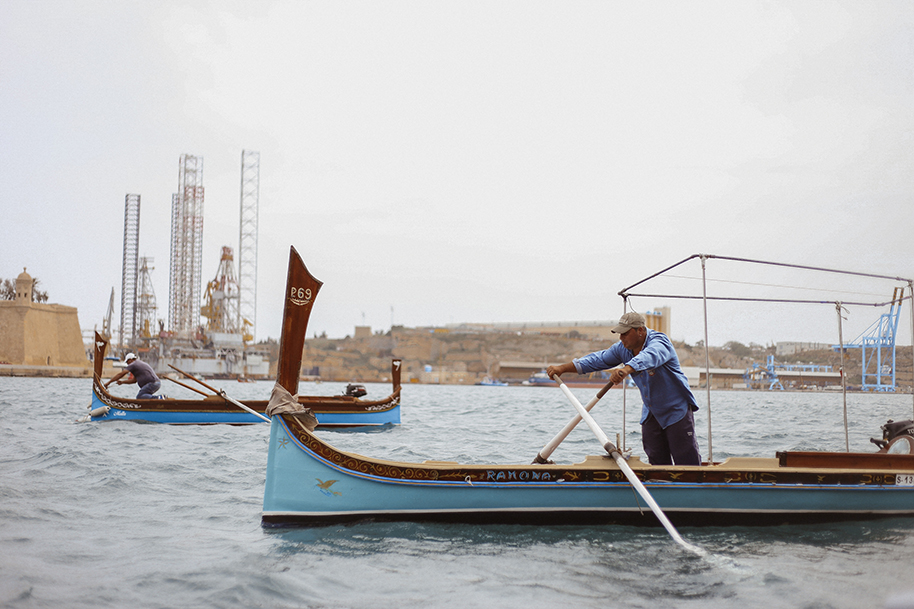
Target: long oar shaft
x: 193, y: 378
x: 221, y: 392
x: 594, y: 427
x: 620, y: 460
x: 242, y: 406
x: 544, y: 454
x: 186, y: 386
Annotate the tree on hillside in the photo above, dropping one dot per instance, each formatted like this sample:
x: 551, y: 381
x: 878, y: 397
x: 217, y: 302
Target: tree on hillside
x: 38, y: 295
x: 738, y: 349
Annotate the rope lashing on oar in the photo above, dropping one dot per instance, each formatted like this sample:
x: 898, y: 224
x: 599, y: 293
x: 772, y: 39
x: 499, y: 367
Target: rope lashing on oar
x: 542, y: 456
x: 222, y: 394
x: 632, y: 478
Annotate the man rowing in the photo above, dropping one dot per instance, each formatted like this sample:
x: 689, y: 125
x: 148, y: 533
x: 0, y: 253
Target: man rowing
x: 667, y: 423
x: 142, y: 374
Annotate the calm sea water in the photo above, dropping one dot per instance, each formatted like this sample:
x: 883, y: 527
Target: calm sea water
x: 129, y: 515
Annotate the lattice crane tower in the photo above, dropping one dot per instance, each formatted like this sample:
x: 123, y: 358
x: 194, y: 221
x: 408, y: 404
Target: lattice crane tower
x: 129, y: 269
x: 146, y: 300
x: 185, y: 276
x: 221, y: 297
x: 247, y: 244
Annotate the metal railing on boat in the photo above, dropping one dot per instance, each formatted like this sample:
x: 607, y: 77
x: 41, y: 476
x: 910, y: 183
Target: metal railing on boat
x: 839, y: 305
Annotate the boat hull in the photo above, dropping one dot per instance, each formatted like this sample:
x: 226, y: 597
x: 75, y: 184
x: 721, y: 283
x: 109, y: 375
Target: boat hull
x: 347, y: 412
x: 336, y: 411
x: 309, y: 482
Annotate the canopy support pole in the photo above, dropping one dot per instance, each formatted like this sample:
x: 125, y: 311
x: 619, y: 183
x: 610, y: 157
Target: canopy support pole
x: 911, y: 288
x: 704, y: 293
x: 624, y: 435
x: 838, y: 307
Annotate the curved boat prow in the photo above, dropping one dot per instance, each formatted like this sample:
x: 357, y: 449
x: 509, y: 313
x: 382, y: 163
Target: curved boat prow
x: 97, y: 408
x: 395, y: 366
x: 301, y: 290
x: 101, y: 347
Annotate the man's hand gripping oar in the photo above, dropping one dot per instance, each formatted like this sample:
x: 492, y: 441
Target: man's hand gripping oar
x: 620, y: 460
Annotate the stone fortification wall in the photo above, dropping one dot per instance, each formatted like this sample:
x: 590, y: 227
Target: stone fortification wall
x: 33, y: 334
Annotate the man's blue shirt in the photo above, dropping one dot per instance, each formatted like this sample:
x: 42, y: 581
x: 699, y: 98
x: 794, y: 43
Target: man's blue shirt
x: 663, y: 385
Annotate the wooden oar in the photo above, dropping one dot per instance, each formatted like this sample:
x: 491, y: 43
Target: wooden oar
x: 543, y: 455
x: 632, y: 478
x: 186, y: 386
x: 221, y: 392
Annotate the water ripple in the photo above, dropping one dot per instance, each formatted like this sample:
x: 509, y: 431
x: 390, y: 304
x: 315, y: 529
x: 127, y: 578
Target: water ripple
x: 121, y: 514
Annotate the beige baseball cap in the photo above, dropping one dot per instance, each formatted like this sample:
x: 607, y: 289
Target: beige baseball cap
x: 628, y: 321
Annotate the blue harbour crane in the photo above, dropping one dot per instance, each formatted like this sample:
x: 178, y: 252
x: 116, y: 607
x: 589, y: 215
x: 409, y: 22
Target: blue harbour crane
x: 877, y: 348
x: 758, y: 377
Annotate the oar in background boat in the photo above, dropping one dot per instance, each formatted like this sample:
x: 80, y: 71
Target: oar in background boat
x: 186, y: 386
x: 543, y: 455
x: 632, y: 478
x: 221, y: 393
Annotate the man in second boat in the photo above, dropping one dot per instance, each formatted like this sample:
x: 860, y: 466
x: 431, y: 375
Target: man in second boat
x: 667, y: 423
x: 143, y: 375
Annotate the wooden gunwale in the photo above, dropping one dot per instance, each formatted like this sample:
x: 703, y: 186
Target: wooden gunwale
x: 882, y: 461
x: 592, y: 469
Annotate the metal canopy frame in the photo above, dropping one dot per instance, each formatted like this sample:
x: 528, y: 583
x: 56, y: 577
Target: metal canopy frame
x: 839, y: 305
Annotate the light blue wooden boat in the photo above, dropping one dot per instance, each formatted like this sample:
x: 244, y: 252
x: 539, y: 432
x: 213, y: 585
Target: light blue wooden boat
x: 310, y: 482
x: 336, y: 411
x: 331, y: 411
x: 355, y: 413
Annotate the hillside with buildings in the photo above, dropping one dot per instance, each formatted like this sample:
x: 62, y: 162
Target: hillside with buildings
x: 44, y: 339
x: 465, y: 355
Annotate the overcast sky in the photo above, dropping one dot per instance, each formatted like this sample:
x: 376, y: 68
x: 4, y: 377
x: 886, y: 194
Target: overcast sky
x: 445, y: 162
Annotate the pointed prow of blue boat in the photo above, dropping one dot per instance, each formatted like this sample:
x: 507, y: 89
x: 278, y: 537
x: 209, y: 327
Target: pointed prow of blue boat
x: 301, y: 290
